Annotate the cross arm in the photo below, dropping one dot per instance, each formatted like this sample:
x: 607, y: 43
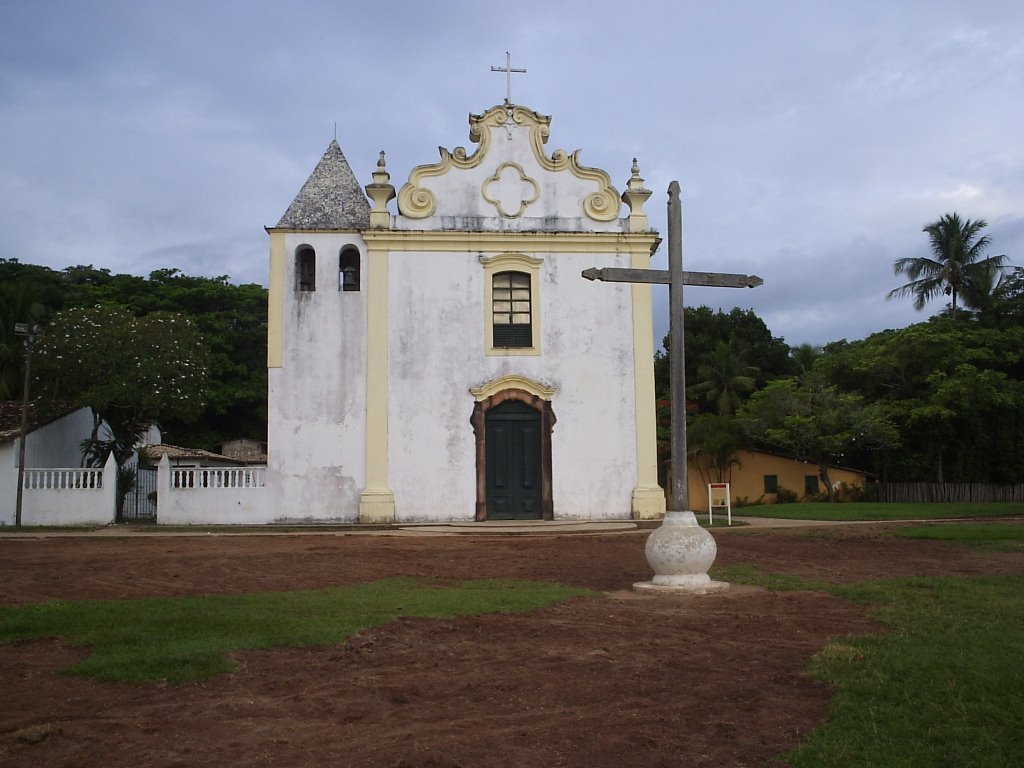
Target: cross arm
x: 707, y: 279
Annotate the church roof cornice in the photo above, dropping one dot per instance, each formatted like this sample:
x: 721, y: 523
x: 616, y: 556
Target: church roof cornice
x: 331, y: 198
x: 492, y: 241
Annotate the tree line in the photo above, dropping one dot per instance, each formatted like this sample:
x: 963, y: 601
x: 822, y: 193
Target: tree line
x: 188, y: 353
x: 938, y: 401
x: 941, y: 400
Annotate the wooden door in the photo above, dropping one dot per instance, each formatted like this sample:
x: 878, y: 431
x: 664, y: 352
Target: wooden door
x: 513, y: 462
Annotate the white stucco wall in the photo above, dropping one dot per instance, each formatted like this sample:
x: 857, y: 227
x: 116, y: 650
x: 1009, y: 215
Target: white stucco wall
x: 8, y: 481
x: 317, y: 416
x: 57, y: 444
x: 206, y: 504
x: 54, y: 498
x: 437, y: 353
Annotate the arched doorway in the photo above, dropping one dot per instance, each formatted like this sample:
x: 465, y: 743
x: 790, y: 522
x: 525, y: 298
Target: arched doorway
x: 513, y: 456
x: 512, y: 472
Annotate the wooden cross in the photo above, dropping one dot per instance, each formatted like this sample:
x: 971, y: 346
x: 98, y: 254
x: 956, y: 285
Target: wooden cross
x: 676, y: 278
x: 508, y: 70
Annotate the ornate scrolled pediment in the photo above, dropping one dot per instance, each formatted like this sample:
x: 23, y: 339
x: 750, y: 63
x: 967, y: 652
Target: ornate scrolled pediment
x: 417, y: 201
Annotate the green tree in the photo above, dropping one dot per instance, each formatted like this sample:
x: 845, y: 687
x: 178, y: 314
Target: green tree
x: 996, y: 295
x: 713, y: 440
x: 131, y: 371
x: 957, y: 248
x: 815, y: 423
x: 742, y: 328
x: 724, y: 377
x: 28, y: 294
x: 952, y: 388
x: 804, y: 357
x: 233, y: 322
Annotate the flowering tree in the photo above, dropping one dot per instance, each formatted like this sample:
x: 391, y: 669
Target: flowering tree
x: 131, y: 371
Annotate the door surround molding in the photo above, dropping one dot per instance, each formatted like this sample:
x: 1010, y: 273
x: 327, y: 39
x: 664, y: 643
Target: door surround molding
x: 483, y: 404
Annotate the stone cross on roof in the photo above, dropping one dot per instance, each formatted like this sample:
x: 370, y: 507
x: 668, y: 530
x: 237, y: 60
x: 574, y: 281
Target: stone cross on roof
x: 508, y: 70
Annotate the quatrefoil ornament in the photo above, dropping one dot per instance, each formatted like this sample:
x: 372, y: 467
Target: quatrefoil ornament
x: 510, y: 190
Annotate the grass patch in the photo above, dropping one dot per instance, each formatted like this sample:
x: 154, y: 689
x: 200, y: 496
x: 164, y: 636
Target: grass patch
x: 755, y: 577
x: 184, y: 639
x: 991, y: 536
x: 879, y: 511
x: 941, y: 687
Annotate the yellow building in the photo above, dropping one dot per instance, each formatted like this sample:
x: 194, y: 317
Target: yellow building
x: 758, y: 476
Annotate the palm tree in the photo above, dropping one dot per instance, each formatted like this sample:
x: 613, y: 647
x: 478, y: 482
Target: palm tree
x: 803, y: 358
x: 725, y: 376
x: 713, y: 440
x: 991, y: 293
x: 957, y: 247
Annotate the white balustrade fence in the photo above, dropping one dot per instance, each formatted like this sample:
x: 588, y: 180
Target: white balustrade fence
x: 69, y: 496
x: 210, y: 477
x: 63, y: 479
x: 212, y: 495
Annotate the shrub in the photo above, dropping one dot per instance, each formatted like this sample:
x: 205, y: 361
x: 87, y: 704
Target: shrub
x: 785, y: 496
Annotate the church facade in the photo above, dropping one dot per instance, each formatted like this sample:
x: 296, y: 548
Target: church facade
x: 447, y: 361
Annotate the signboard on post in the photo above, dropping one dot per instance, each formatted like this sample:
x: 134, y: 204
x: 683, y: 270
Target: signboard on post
x: 718, y: 496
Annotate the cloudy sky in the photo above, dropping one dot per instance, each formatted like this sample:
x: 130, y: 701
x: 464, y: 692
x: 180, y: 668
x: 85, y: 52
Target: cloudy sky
x: 812, y: 140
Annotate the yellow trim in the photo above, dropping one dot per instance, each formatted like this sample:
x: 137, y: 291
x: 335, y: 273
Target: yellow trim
x: 523, y: 203
x: 641, y: 243
x: 417, y: 202
x: 512, y: 381
x: 648, y: 500
x: 275, y: 302
x: 376, y: 507
x: 519, y: 262
x: 377, y: 501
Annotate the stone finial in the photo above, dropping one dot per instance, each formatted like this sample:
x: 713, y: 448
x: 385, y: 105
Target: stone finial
x: 635, y: 196
x: 381, y: 192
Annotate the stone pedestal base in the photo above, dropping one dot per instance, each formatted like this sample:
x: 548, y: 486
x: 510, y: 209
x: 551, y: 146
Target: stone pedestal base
x: 680, y: 553
x: 706, y: 588
x: 648, y: 503
x: 377, y: 507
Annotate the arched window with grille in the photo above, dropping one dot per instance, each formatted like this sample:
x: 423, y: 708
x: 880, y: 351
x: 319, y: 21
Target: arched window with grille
x: 305, y: 268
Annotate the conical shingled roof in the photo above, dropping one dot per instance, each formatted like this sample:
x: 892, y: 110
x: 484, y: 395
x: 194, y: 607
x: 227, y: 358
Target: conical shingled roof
x: 331, y: 198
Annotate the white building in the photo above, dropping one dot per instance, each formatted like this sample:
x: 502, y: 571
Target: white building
x: 449, y: 362
x: 57, y: 490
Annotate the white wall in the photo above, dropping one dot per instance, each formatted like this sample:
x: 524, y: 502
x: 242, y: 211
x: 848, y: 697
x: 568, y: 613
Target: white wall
x: 57, y: 444
x: 212, y: 505
x: 317, y: 414
x: 61, y: 503
x: 436, y: 328
x: 460, y: 204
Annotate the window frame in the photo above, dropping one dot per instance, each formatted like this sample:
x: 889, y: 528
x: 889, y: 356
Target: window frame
x: 512, y: 262
x: 771, y: 483
x: 812, y: 485
x: 508, y: 320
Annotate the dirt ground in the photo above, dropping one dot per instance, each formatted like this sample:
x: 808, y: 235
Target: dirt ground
x: 626, y: 680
